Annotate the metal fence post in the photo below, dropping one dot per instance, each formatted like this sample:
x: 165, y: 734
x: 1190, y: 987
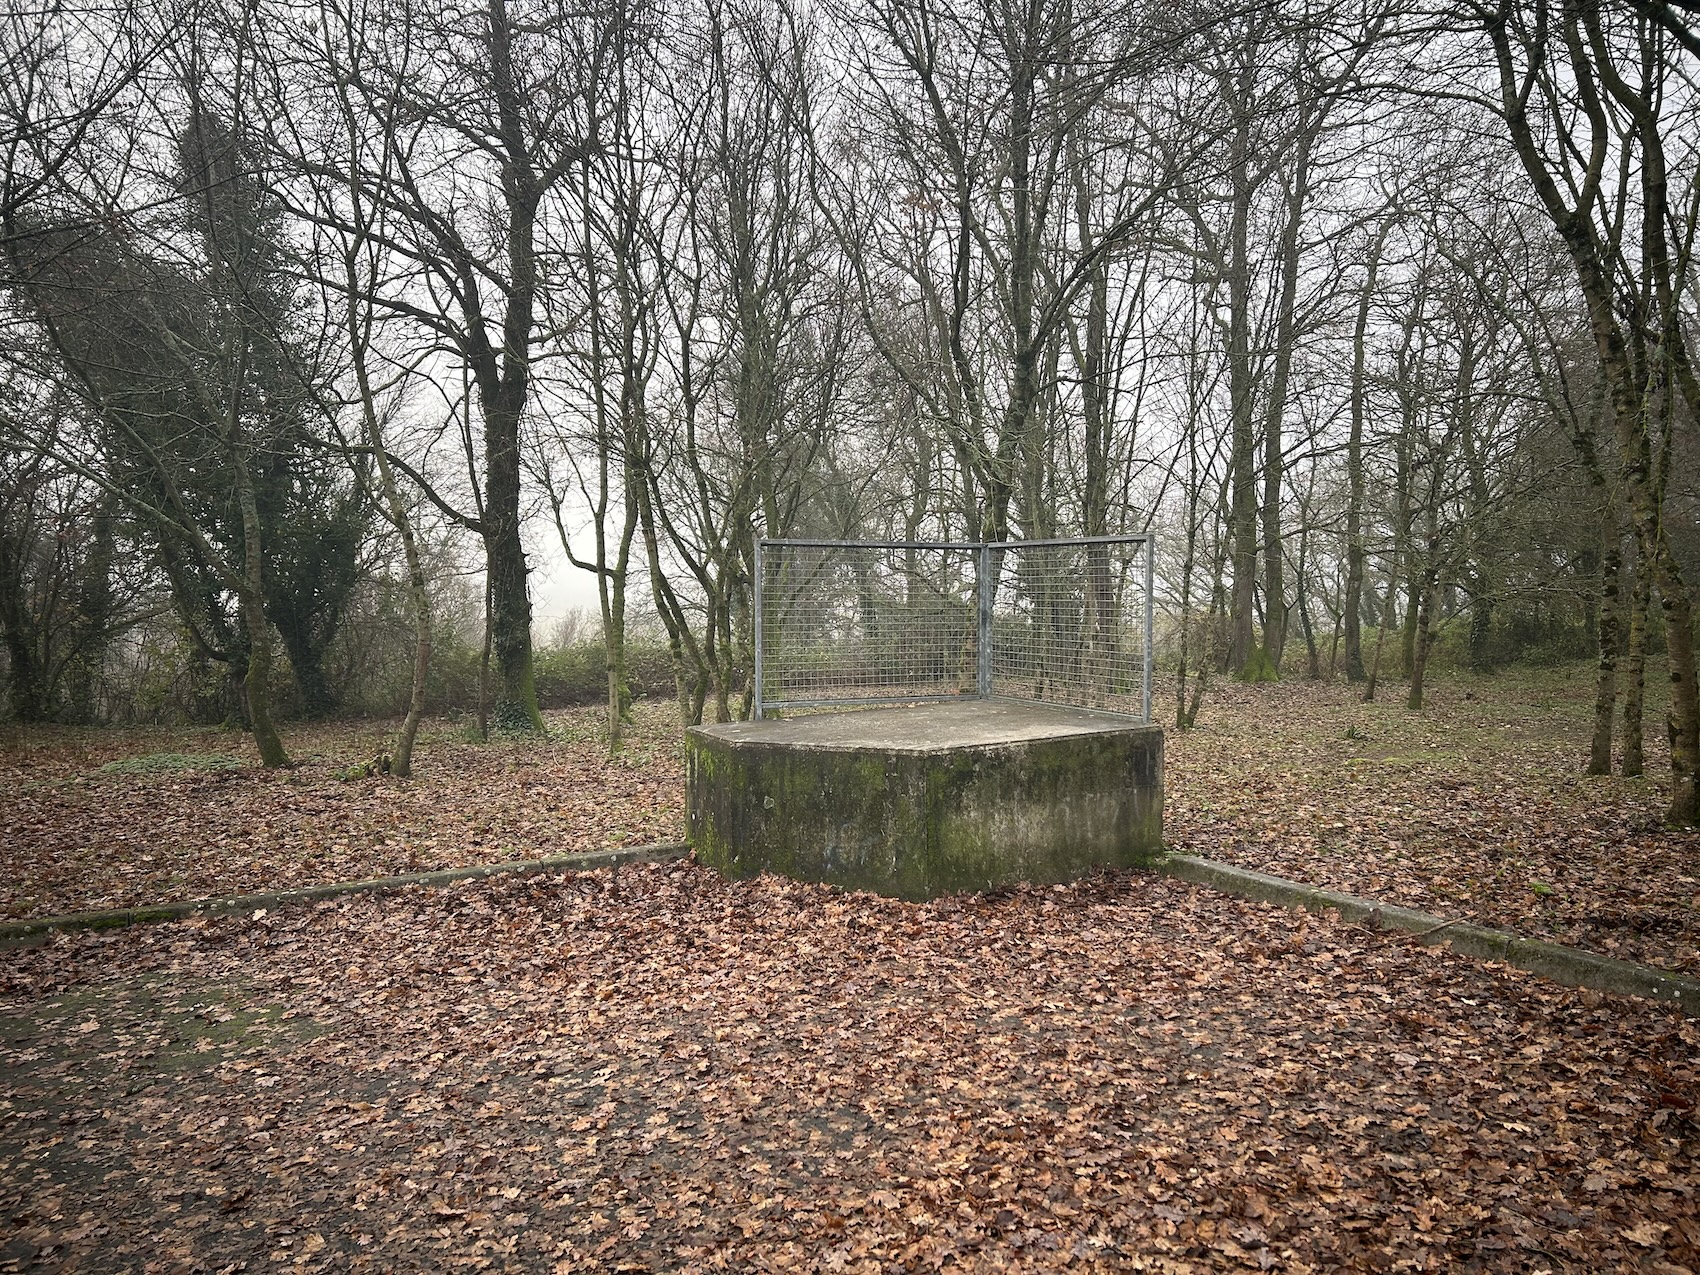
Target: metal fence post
x: 1150, y: 608
x: 986, y: 588
x: 755, y: 709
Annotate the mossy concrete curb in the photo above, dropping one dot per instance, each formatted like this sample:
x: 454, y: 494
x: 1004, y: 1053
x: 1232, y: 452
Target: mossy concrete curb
x: 38, y: 930
x: 1568, y: 965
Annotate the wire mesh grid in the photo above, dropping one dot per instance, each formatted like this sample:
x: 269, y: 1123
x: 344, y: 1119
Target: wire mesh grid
x: 1068, y: 624
x: 860, y: 623
x: 842, y: 623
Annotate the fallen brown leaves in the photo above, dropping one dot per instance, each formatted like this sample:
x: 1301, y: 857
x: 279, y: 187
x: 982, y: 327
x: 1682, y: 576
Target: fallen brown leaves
x: 79, y: 831
x: 1474, y: 808
x: 659, y: 1070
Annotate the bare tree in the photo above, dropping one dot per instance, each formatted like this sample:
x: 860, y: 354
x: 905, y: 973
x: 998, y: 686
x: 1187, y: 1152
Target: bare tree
x: 1589, y: 99
x: 481, y: 103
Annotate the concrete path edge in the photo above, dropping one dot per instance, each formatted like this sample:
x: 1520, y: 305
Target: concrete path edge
x: 34, y: 931
x: 1570, y: 966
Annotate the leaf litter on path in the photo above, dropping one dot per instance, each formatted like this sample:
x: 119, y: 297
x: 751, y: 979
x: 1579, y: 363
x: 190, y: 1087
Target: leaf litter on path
x: 658, y: 1070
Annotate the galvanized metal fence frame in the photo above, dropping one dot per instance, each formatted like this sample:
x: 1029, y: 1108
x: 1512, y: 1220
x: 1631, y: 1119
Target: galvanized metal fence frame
x: 986, y: 554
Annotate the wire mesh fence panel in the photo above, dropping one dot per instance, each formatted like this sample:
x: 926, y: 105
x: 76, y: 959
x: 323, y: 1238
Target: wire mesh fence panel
x: 1068, y: 623
x: 865, y: 623
x: 1062, y: 622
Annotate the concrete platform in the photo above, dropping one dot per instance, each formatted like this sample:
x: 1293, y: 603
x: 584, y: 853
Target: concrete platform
x: 928, y: 800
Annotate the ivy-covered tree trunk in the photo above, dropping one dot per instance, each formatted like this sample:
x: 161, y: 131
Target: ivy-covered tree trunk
x: 307, y: 662
x: 26, y: 687
x: 514, y: 703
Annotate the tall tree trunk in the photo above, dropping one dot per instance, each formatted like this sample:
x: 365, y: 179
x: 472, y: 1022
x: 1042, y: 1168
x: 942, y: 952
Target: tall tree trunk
x: 503, y: 375
x: 1635, y: 671
x: 484, y: 670
x: 401, y: 762
x: 681, y: 641
x: 395, y: 509
x: 1422, y: 640
x: 1413, y: 615
x: 1380, y: 639
x: 1313, y: 659
x: 1286, y: 327
x: 1352, y: 606
x: 1605, y: 684
x: 1482, y: 560
x: 1242, y: 640
x: 252, y: 595
x: 514, y: 704
x: 1631, y: 389
x: 1403, y: 567
x: 257, y: 682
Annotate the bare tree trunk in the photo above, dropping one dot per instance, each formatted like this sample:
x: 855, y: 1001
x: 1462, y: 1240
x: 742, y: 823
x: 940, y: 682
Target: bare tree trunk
x: 1211, y: 657
x: 257, y: 684
x: 1242, y: 655
x: 1423, y: 637
x: 1572, y: 200
x: 484, y: 671
x: 1605, y: 686
x: 1635, y: 671
x: 1313, y: 659
x: 419, y: 594
x: 1286, y: 326
x: 1352, y: 606
x: 1380, y: 638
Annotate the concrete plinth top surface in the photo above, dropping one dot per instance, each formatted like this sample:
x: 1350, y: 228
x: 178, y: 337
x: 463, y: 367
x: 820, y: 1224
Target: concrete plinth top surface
x: 925, y: 728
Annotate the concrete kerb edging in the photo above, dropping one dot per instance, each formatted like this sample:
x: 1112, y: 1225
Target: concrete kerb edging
x: 1568, y: 965
x: 38, y: 930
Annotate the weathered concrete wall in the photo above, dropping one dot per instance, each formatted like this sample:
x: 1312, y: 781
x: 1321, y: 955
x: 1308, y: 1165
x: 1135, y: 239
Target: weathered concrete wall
x: 918, y: 802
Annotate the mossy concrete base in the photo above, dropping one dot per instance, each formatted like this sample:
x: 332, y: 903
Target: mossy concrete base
x: 919, y: 802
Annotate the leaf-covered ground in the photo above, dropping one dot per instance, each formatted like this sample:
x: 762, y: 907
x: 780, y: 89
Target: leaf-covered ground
x: 660, y: 1070
x: 1475, y: 808
x: 114, y: 818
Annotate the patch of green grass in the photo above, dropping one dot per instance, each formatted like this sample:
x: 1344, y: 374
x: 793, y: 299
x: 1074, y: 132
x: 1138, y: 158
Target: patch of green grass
x: 156, y: 762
